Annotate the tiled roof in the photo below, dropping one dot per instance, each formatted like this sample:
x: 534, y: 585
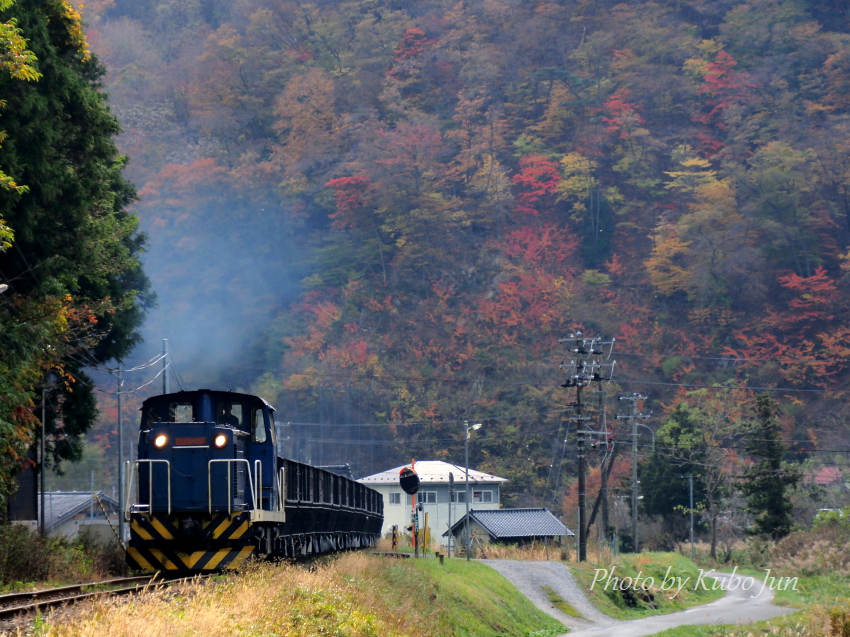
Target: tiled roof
x: 824, y: 476
x: 63, y: 505
x: 433, y: 471
x: 509, y: 523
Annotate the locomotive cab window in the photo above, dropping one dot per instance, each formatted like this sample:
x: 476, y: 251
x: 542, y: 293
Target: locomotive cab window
x: 180, y: 412
x: 258, y: 428
x: 228, y: 414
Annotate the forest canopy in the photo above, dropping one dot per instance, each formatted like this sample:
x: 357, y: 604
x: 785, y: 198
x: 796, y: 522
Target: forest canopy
x: 459, y: 184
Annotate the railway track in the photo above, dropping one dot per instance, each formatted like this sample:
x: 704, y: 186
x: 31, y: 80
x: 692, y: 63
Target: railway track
x: 18, y: 605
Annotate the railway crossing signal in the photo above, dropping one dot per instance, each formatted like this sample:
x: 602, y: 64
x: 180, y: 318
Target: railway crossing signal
x: 408, y: 480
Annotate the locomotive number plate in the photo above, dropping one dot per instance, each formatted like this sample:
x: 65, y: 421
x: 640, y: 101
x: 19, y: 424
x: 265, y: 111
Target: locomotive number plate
x: 193, y: 441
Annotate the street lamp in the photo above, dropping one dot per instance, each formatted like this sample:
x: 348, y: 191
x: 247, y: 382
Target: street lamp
x: 468, y: 429
x: 3, y: 287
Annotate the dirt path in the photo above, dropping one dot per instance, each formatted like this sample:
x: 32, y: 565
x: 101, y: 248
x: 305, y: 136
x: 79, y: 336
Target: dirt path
x: 531, y: 577
x: 746, y: 601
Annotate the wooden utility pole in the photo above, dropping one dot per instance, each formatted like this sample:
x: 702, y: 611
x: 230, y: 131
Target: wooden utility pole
x: 121, y: 502
x: 634, y: 416
x: 583, y: 370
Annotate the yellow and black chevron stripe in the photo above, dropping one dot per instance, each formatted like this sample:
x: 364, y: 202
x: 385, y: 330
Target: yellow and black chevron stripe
x: 158, y: 526
x: 150, y: 559
x: 152, y: 539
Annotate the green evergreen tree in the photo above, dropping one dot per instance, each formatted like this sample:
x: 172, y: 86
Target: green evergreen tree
x: 766, y: 483
x: 77, y: 291
x: 666, y: 492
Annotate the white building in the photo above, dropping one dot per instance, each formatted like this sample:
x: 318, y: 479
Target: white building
x: 485, y: 491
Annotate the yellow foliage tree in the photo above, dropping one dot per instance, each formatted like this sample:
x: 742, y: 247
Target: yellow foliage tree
x: 664, y: 267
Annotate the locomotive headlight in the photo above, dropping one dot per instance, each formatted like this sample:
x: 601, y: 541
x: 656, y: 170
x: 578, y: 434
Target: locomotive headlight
x: 220, y: 440
x: 160, y: 440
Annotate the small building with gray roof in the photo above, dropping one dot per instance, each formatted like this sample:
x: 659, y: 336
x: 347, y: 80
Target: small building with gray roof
x: 510, y: 526
x: 442, y: 507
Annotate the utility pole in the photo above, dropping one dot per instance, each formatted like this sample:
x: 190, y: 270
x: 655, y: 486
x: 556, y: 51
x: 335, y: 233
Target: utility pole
x: 165, y: 366
x: 690, y: 478
x: 451, y: 505
x: 120, y: 458
x: 604, y: 471
x: 583, y: 370
x: 634, y: 416
x: 43, y: 456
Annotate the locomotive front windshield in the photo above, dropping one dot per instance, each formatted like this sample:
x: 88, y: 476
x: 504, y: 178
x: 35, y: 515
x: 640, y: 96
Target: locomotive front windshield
x: 229, y: 413
x: 233, y: 410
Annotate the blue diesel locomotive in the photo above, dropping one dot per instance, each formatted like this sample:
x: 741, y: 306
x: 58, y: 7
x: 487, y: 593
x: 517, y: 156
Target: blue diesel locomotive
x: 213, y: 491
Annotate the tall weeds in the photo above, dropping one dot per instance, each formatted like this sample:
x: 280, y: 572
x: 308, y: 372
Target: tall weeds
x: 26, y: 557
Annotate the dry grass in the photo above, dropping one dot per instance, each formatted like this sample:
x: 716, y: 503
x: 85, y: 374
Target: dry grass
x: 532, y: 552
x: 341, y: 598
x: 819, y: 551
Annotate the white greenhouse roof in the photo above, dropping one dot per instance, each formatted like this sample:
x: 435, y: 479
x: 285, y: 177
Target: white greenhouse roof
x: 431, y: 472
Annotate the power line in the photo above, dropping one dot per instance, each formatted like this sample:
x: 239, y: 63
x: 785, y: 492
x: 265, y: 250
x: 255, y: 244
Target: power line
x: 497, y: 383
x: 175, y: 374
x: 727, y: 387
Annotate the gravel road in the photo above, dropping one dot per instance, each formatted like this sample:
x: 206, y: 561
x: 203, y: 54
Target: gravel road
x: 745, y: 602
x: 531, y: 577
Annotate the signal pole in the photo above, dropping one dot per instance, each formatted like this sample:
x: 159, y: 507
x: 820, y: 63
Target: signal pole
x: 584, y: 370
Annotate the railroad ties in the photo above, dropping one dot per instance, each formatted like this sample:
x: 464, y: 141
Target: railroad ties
x: 14, y: 606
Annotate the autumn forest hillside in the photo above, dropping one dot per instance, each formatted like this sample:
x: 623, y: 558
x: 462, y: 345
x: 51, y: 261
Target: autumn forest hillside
x: 398, y: 208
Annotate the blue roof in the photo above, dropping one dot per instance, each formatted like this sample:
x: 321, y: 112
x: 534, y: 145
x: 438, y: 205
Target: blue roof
x: 519, y: 523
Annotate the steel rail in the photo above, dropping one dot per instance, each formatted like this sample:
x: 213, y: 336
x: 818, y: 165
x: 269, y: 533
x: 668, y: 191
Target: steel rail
x: 16, y: 604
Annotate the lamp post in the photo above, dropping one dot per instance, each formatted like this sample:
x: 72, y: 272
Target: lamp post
x: 466, y: 446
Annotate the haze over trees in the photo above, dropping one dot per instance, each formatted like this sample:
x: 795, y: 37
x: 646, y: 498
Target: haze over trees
x: 398, y: 208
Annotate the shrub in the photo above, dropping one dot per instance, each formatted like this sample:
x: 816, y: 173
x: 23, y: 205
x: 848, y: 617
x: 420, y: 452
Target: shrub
x: 29, y: 557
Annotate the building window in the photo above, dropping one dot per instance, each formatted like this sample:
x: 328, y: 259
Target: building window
x: 395, y: 498
x: 427, y: 497
x: 459, y: 496
x: 482, y: 496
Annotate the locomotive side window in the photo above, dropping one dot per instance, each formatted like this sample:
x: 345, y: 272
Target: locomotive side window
x: 258, y: 428
x: 180, y: 412
x: 228, y: 414
x: 152, y: 415
x: 272, y: 429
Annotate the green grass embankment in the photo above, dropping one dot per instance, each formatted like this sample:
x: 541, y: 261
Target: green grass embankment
x: 666, y: 598
x: 474, y: 600
x: 353, y: 595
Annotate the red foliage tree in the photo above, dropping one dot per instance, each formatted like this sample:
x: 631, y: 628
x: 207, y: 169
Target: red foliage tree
x: 350, y: 194
x: 622, y: 116
x: 538, y: 178
x: 413, y: 44
x: 725, y: 88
